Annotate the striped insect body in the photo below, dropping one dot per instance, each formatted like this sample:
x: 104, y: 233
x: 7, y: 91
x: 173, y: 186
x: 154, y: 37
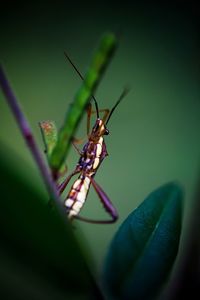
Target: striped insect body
x: 92, y: 155
x: 77, y: 196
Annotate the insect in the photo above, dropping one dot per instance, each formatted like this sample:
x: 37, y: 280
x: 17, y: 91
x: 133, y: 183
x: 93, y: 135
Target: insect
x: 91, y: 157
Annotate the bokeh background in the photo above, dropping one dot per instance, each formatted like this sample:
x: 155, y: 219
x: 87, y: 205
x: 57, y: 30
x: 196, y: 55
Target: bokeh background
x: 154, y: 133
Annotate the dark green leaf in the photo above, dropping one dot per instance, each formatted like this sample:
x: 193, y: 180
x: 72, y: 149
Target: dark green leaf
x: 143, y: 251
x: 82, y: 98
x: 39, y: 255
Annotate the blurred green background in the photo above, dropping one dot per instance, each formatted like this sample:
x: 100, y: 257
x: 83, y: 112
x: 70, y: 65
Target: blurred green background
x: 154, y: 133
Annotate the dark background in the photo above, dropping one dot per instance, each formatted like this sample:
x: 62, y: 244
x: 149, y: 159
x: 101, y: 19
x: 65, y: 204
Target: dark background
x: 154, y: 134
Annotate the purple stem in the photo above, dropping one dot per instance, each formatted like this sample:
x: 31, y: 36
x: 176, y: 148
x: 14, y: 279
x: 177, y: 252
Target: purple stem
x: 28, y: 136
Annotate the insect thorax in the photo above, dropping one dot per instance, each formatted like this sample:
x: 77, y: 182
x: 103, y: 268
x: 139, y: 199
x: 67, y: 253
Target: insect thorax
x: 92, y: 155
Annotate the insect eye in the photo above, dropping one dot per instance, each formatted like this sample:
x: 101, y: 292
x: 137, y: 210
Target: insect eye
x: 106, y: 132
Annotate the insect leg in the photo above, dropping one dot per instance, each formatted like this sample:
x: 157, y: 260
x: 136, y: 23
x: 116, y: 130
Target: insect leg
x: 106, y: 203
x: 63, y: 185
x: 78, y: 141
x: 106, y: 113
x: 89, y: 113
x: 76, y: 148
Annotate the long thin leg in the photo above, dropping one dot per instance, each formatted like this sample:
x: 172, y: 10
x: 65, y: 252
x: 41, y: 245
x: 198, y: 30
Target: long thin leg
x: 76, y: 148
x: 63, y: 185
x: 106, y: 113
x: 78, y: 141
x: 89, y: 112
x: 106, y: 203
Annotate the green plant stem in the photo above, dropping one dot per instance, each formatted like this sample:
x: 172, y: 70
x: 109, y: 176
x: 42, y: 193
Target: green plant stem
x: 96, y: 69
x: 28, y: 136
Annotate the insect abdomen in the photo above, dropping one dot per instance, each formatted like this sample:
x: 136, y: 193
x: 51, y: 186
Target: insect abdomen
x: 77, y: 196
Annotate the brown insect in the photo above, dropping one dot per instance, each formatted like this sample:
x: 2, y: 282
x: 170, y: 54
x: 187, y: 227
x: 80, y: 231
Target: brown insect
x: 91, y: 156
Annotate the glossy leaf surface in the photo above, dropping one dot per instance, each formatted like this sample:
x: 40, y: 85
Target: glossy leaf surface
x: 144, y: 249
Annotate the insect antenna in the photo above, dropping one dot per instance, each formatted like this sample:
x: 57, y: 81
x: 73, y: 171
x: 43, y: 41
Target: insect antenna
x: 123, y: 94
x: 80, y: 75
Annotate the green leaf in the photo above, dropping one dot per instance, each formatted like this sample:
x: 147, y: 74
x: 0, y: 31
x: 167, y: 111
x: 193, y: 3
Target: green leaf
x: 39, y: 255
x: 49, y: 135
x: 143, y: 250
x: 82, y: 98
